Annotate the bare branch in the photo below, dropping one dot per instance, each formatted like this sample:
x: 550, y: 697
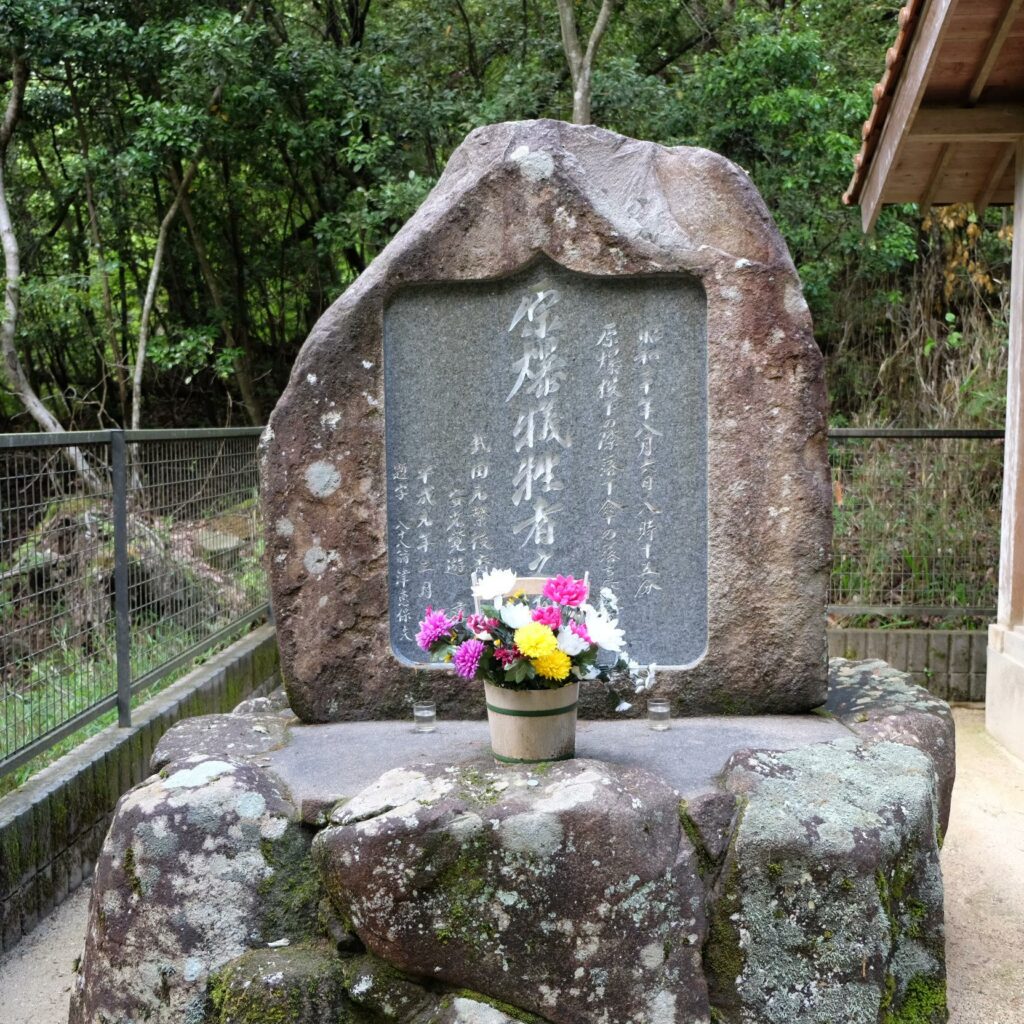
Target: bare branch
x: 570, y: 40
x: 581, y: 64
x: 600, y: 27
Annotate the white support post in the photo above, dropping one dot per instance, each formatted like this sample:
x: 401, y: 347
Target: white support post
x: 1011, y: 553
x: 1004, y: 694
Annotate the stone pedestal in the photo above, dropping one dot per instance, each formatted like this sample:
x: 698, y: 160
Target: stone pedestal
x: 1004, y: 687
x: 769, y: 869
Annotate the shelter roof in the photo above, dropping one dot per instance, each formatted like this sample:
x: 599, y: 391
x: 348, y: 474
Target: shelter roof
x: 948, y: 110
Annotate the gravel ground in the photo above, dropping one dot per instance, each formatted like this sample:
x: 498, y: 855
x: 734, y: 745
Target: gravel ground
x: 982, y: 861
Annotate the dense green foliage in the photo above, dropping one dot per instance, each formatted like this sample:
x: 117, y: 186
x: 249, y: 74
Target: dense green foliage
x: 317, y: 126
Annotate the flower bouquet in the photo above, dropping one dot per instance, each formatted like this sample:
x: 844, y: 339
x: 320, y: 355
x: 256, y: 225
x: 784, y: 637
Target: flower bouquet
x: 530, y: 656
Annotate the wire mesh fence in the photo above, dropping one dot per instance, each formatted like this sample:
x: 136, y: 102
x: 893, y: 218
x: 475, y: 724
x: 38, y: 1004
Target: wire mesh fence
x: 125, y: 556
x: 917, y: 515
x: 121, y: 559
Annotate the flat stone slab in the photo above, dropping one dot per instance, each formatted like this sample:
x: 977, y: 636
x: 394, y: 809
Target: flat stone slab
x: 322, y: 764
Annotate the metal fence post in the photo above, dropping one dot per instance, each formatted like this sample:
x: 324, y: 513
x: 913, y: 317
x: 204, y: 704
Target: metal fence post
x: 119, y: 500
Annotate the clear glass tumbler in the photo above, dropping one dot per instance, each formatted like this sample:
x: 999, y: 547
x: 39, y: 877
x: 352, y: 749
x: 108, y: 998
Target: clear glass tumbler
x: 658, y: 714
x: 424, y: 716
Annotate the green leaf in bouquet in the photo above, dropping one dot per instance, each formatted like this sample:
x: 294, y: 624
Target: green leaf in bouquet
x: 520, y: 672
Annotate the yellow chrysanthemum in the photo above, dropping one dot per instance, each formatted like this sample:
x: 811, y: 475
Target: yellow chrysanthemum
x: 555, y: 665
x: 535, y: 640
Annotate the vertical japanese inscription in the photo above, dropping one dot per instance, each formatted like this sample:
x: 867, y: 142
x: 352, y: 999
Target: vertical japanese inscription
x: 537, y: 434
x: 609, y: 363
x: 551, y: 422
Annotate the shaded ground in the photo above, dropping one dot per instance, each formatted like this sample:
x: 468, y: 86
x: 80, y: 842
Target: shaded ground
x: 983, y: 867
x: 35, y: 977
x: 983, y: 864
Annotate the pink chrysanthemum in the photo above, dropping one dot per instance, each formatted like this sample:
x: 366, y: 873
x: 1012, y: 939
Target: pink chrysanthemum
x: 467, y: 657
x: 480, y: 623
x: 506, y: 655
x: 567, y: 591
x: 580, y: 629
x: 433, y: 627
x: 549, y: 615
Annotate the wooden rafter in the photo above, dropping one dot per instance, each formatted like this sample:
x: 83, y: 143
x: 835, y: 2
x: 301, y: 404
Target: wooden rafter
x: 995, y: 175
x: 932, y: 188
x: 992, y: 51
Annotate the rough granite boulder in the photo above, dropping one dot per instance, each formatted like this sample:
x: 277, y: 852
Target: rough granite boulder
x: 298, y: 984
x: 828, y: 906
x: 599, y: 204
x: 572, y: 893
x: 879, y: 702
x: 795, y: 885
x: 196, y: 867
x: 309, y: 984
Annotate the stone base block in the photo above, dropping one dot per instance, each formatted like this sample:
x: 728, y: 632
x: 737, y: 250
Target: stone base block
x: 1004, y: 688
x: 766, y: 870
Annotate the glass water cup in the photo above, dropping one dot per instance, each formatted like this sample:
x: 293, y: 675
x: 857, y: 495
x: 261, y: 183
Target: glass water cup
x: 658, y: 714
x: 424, y: 716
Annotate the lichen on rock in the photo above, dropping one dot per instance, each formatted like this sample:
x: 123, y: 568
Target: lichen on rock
x: 832, y: 896
x: 177, y: 888
x: 571, y: 893
x: 800, y: 886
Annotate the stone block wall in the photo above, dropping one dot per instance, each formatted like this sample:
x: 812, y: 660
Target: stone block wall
x: 950, y: 663
x: 52, y: 828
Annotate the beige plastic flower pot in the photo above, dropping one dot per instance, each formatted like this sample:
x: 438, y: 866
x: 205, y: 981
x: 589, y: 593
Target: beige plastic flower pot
x: 528, y: 726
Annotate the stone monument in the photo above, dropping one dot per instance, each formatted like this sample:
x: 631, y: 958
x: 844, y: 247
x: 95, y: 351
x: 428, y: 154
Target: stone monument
x: 583, y: 353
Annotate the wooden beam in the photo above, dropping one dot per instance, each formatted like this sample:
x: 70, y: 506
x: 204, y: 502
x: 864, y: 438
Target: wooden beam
x: 995, y: 122
x: 928, y: 195
x: 923, y: 53
x: 995, y: 46
x: 995, y: 175
x: 1011, y: 546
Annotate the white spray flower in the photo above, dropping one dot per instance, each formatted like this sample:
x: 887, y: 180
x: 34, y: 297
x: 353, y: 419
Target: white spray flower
x: 604, y: 631
x: 493, y: 584
x: 515, y: 615
x: 570, y: 643
x: 643, y: 677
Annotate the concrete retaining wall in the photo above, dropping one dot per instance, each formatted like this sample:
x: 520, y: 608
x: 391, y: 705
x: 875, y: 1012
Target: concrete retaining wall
x: 52, y: 828
x: 947, y: 662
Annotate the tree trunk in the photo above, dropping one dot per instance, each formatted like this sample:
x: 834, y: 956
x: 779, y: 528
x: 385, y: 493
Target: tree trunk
x: 581, y: 64
x: 150, y: 297
x: 12, y: 273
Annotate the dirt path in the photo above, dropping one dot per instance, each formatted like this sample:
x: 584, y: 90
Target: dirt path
x: 982, y: 861
x: 35, y: 977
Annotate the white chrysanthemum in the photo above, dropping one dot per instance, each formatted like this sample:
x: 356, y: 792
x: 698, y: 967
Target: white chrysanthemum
x: 608, y: 598
x: 603, y: 631
x: 493, y: 584
x: 569, y: 642
x: 516, y: 615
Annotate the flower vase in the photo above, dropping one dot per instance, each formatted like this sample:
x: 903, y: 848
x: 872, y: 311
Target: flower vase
x: 529, y: 726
